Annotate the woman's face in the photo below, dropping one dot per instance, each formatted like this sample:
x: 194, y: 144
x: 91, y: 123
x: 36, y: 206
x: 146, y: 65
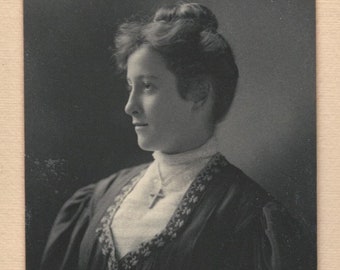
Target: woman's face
x: 162, y: 119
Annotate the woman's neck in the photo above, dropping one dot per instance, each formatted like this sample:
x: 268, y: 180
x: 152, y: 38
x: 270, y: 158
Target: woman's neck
x: 191, y: 143
x: 204, y: 150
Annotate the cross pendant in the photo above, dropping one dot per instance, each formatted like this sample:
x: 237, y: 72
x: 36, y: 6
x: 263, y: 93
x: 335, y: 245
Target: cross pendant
x: 155, y: 197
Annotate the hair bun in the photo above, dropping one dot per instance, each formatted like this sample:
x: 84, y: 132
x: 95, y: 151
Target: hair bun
x: 188, y: 11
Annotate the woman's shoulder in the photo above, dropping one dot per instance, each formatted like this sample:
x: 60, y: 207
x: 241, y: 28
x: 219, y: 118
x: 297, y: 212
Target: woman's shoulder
x: 89, y: 195
x: 243, y: 187
x: 248, y: 198
x: 74, y: 217
x: 255, y: 213
x: 120, y: 177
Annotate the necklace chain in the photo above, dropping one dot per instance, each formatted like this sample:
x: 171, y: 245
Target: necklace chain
x: 156, y: 196
x: 167, y: 181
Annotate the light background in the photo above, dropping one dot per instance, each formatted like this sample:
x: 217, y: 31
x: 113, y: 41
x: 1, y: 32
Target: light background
x: 11, y: 151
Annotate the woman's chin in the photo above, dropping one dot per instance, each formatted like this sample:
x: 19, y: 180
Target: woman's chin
x: 146, y: 145
x: 153, y: 145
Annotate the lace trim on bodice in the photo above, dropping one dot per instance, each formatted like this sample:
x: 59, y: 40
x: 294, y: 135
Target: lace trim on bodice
x: 170, y: 232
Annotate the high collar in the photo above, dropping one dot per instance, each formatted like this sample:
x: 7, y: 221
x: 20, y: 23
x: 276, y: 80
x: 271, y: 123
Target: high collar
x: 208, y: 149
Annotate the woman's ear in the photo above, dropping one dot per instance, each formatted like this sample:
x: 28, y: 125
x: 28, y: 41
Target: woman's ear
x: 199, y: 92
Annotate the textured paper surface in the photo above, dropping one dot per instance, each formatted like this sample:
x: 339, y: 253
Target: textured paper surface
x: 12, y: 249
x: 12, y: 229
x: 328, y: 124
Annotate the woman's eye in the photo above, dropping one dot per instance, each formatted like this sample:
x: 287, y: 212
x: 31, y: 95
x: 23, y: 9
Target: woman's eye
x: 148, y: 87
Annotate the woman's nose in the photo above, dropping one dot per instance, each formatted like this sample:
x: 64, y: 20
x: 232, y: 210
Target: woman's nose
x: 132, y: 106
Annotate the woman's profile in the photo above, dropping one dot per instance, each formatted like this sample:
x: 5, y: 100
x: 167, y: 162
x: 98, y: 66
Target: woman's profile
x: 189, y: 208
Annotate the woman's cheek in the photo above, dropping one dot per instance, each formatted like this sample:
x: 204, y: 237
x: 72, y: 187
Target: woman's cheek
x: 155, y: 107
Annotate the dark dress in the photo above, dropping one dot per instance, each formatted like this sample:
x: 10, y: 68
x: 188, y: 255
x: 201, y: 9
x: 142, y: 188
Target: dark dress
x: 224, y: 221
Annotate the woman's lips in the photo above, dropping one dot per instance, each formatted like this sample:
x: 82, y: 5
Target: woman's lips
x: 140, y: 126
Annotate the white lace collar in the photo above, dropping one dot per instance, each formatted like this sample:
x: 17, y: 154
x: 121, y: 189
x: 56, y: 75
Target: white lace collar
x: 205, y: 151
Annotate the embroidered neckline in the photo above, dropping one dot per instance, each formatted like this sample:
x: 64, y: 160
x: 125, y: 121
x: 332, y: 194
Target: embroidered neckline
x: 170, y: 232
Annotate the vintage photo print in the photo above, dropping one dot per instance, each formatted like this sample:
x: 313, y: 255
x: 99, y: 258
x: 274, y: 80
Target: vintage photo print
x: 170, y: 135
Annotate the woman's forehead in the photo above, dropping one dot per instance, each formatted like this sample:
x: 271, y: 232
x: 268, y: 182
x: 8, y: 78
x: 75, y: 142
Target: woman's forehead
x: 146, y: 63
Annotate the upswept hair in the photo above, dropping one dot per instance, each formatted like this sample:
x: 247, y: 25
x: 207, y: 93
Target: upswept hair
x: 186, y: 36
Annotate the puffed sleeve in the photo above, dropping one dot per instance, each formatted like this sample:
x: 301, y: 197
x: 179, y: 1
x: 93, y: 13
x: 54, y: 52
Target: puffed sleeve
x: 271, y: 240
x: 288, y: 243
x: 61, y: 251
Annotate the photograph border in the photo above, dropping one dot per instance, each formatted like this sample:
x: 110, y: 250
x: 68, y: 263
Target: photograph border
x: 12, y: 229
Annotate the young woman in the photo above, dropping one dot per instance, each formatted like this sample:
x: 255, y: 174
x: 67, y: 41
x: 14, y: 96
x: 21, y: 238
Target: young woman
x: 189, y: 208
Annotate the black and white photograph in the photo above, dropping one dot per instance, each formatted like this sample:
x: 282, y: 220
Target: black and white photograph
x: 170, y: 135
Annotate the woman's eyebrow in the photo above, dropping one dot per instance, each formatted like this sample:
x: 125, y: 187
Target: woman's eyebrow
x: 141, y: 77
